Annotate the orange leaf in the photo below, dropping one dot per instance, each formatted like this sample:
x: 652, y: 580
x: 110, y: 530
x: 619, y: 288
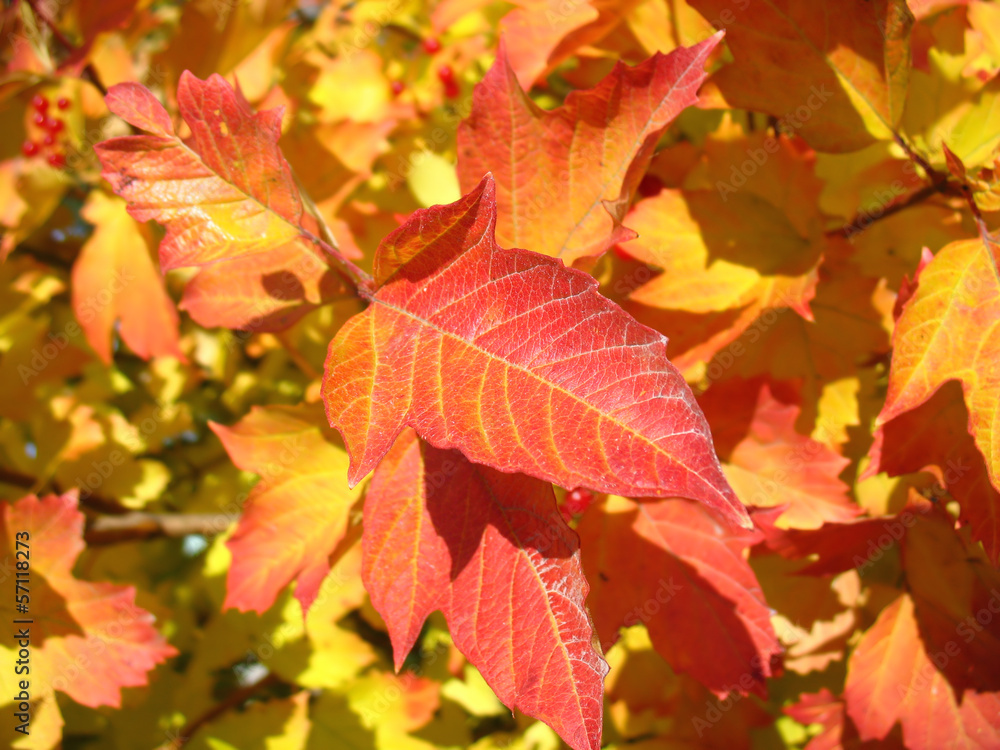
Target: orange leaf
x: 491, y: 551
x: 294, y: 517
x: 672, y: 566
x: 773, y: 465
x: 949, y: 330
x: 565, y: 177
x: 114, y: 278
x: 836, y: 71
x: 92, y: 638
x: 890, y: 678
x: 516, y: 361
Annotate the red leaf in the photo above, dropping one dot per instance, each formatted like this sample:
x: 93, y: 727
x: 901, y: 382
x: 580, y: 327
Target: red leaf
x: 492, y: 552
x: 565, y: 177
x: 90, y: 638
x: 671, y: 565
x: 519, y: 363
x: 935, y: 437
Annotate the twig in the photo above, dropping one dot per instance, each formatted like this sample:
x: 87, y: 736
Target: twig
x: 89, y: 71
x: 296, y: 356
x: 136, y: 526
x: 233, y: 700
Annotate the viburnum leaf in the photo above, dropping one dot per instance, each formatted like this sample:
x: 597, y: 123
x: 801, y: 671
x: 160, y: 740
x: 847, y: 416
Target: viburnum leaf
x: 223, y: 194
x: 565, y: 177
x: 519, y: 363
x: 114, y: 279
x: 772, y: 464
x: 718, y: 254
x: 540, y: 34
x: 671, y: 565
x: 935, y: 437
x: 294, y: 517
x: 491, y: 551
x: 950, y: 330
x: 891, y: 677
x: 952, y: 589
x: 89, y: 640
x: 835, y: 71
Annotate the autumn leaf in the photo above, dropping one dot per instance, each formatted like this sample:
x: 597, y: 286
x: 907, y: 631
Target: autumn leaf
x: 834, y: 71
x: 491, y: 551
x: 294, y: 517
x: 516, y: 361
x: 934, y: 437
x: 224, y: 194
x: 670, y: 565
x: 114, y: 279
x: 539, y: 34
x: 90, y: 639
x: 772, y: 464
x: 565, y: 177
x: 948, y: 331
x: 891, y: 677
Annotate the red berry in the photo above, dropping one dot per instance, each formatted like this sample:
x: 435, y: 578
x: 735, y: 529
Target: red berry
x: 63, y: 103
x: 57, y: 160
x: 39, y: 119
x: 446, y: 74
x: 578, y: 500
x: 397, y: 87
x: 451, y: 89
x: 49, y: 139
x: 29, y: 148
x: 53, y: 125
x: 431, y: 45
x: 39, y: 102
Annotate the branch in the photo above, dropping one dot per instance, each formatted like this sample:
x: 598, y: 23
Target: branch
x: 136, y: 526
x: 233, y: 700
x: 88, y: 71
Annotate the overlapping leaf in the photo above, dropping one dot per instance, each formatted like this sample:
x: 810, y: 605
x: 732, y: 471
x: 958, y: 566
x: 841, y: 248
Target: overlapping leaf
x: 670, y: 565
x: 891, y: 677
x: 491, y: 551
x: 516, y: 361
x: 950, y: 330
x: 772, y: 464
x: 565, y: 177
x: 114, y: 279
x: 88, y: 640
x: 834, y: 71
x: 935, y: 436
x: 294, y: 517
x: 225, y: 193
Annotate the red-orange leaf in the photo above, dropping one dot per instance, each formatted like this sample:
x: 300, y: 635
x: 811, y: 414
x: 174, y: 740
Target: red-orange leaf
x: 950, y: 330
x: 671, y: 565
x: 491, y: 551
x: 890, y: 678
x: 519, y: 363
x: 565, y: 177
x: 935, y: 437
x: 294, y: 517
x: 88, y: 640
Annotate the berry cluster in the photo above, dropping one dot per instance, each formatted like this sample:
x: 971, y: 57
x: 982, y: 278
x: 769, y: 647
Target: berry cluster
x: 50, y: 127
x: 445, y: 74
